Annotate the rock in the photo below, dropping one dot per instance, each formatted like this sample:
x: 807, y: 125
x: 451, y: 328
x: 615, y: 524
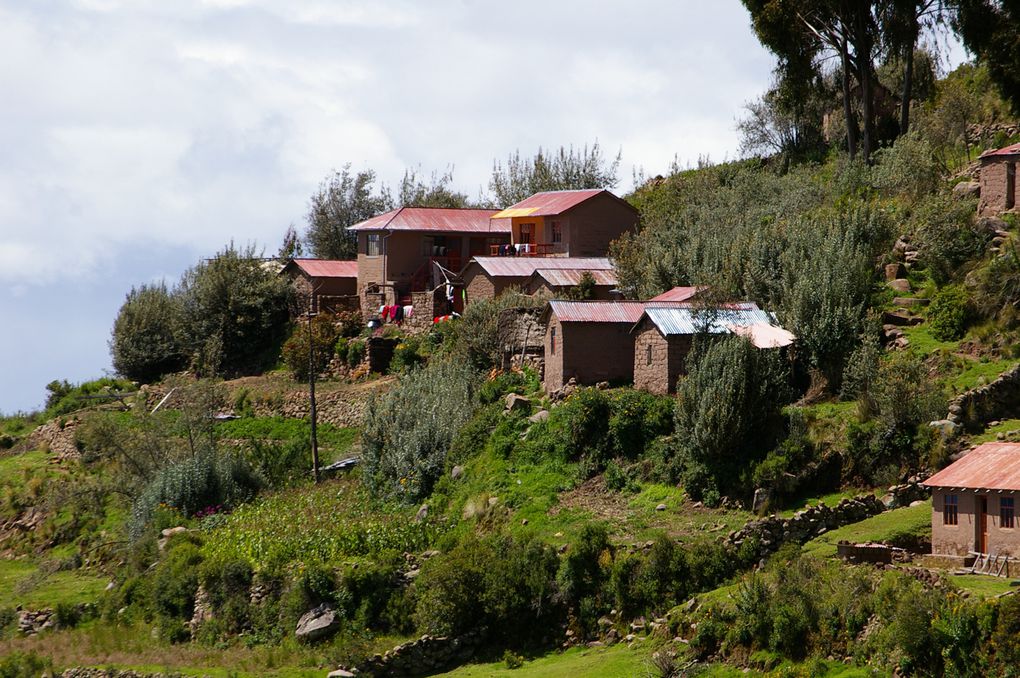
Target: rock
x: 992, y: 225
x: 422, y: 513
x: 761, y: 498
x: 917, y: 502
x: 901, y: 319
x: 539, y: 417
x: 411, y: 575
x: 318, y: 623
x: 894, y: 271
x: 900, y: 285
x: 457, y: 472
x: 493, y: 501
x: 111, y: 586
x: 516, y: 402
x: 660, y: 507
x: 341, y: 673
x: 910, y: 301
x: 945, y: 427
x: 602, y: 385
x: 169, y: 532
x: 967, y: 189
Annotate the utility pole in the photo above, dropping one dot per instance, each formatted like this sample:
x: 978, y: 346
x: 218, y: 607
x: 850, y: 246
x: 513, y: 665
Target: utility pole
x: 311, y: 395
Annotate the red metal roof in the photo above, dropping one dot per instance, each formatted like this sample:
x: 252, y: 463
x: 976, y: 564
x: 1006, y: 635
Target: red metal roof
x: 328, y: 268
x: 991, y: 466
x: 678, y: 294
x: 566, y: 277
x: 1008, y: 150
x: 522, y: 267
x: 434, y: 219
x: 626, y: 311
x: 551, y: 203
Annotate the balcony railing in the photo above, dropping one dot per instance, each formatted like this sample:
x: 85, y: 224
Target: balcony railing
x: 546, y: 249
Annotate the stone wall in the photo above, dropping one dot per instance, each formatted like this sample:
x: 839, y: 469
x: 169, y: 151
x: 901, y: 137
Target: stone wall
x: 425, y: 656
x: 57, y: 436
x: 998, y: 400
x: 772, y: 532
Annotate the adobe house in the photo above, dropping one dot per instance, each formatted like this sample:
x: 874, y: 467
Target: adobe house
x: 974, y: 503
x: 589, y: 341
x: 663, y: 336
x: 398, y: 252
x: 578, y: 223
x: 332, y: 285
x: 488, y: 277
x: 556, y: 282
x: 998, y: 181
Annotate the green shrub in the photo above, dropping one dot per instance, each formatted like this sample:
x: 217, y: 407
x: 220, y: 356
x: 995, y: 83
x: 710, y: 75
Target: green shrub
x: 341, y: 347
x: 946, y: 235
x: 356, y: 350
x: 64, y: 397
x: 279, y: 464
x: 407, y: 355
x: 947, y: 314
x: 67, y: 615
x: 323, y: 342
x: 514, y: 381
x: 997, y: 285
x: 19, y: 664
x: 409, y: 430
x: 146, y: 341
x: 476, y: 335
x: 728, y: 415
x: 194, y: 483
x: 227, y: 584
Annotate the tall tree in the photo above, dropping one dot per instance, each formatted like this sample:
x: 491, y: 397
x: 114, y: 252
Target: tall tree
x: 991, y: 30
x: 415, y: 192
x: 342, y: 200
x: 902, y: 23
x: 568, y: 168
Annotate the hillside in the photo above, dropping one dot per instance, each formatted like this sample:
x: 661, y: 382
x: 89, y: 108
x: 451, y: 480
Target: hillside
x: 175, y: 526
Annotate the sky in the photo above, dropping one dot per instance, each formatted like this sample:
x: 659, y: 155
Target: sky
x: 139, y: 136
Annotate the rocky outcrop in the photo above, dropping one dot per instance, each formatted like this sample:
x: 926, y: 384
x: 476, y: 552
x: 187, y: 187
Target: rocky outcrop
x: 57, y: 436
x: 31, y: 622
x: 317, y: 624
x: 999, y: 399
x: 423, y: 656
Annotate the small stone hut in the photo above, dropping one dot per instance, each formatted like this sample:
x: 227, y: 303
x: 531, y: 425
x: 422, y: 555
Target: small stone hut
x: 998, y: 181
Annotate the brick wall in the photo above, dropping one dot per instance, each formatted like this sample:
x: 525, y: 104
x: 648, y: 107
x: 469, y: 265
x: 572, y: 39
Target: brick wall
x: 595, y: 223
x: 993, y: 187
x: 651, y: 359
x: 594, y: 352
x: 553, y: 359
x: 959, y: 539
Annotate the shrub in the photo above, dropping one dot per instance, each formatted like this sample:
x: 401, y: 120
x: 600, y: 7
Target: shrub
x: 356, y: 350
x: 947, y: 314
x: 279, y: 463
x: 146, y: 342
x: 946, y: 235
x: 409, y: 430
x: 19, y: 664
x: 908, y: 168
x: 194, y: 483
x: 997, y: 285
x: 728, y: 414
x: 478, y: 332
x: 407, y: 355
x: 583, y: 574
x: 323, y: 342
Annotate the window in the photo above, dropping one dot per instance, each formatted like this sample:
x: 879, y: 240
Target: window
x: 557, y: 232
x: 648, y: 354
x: 527, y: 231
x: 1010, y: 185
x: 1006, y: 514
x: 951, y: 510
x: 373, y: 244
x: 552, y: 340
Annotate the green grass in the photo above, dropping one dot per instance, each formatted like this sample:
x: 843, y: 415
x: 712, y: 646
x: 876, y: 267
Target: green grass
x: 903, y: 523
x: 333, y: 441
x: 979, y: 373
x: 991, y: 433
x: 22, y: 583
x: 830, y: 499
x: 603, y: 662
x: 17, y: 464
x: 983, y: 586
x: 923, y: 344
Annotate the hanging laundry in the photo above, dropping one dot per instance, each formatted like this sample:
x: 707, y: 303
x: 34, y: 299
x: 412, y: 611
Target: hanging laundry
x: 409, y: 311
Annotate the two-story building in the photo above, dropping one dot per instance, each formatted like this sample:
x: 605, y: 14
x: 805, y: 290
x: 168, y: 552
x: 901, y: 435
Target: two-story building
x: 413, y: 250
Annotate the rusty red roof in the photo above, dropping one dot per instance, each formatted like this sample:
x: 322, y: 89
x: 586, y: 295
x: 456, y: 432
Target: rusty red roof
x: 551, y: 203
x: 597, y: 311
x: 565, y: 277
x: 990, y: 466
x: 1014, y: 149
x: 435, y: 219
x: 327, y: 268
x: 522, y: 267
x: 678, y: 294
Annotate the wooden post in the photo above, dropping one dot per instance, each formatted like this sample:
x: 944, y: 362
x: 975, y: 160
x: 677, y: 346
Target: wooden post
x: 311, y: 397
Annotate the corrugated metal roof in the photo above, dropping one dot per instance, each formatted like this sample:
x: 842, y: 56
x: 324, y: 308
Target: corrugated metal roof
x: 597, y: 311
x: 678, y: 294
x: 434, y: 219
x: 522, y: 267
x: 564, y: 277
x: 991, y: 466
x: 685, y: 319
x: 328, y: 268
x: 1013, y: 149
x: 549, y: 203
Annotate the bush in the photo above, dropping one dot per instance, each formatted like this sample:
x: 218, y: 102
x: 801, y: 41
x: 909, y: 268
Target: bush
x: 408, y: 354
x: 728, y: 415
x: 409, y: 430
x: 997, y: 285
x: 947, y: 314
x: 194, y: 483
x: 146, y: 344
x: 477, y: 334
x: 356, y: 350
x: 946, y: 236
x: 24, y: 665
x: 323, y: 343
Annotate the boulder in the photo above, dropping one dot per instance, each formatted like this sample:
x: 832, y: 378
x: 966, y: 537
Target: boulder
x: 660, y: 507
x: 516, y: 402
x: 894, y: 271
x: 910, y: 301
x: 457, y: 472
x: 317, y: 624
x: 539, y: 417
x: 901, y: 319
x: 900, y: 285
x: 341, y: 673
x: 422, y: 513
x: 967, y: 189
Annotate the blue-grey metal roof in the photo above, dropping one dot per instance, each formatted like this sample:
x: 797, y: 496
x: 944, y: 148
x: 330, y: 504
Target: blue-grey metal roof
x: 690, y: 320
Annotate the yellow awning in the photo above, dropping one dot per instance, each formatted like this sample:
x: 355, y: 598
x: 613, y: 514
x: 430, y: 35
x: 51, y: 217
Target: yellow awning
x: 514, y: 212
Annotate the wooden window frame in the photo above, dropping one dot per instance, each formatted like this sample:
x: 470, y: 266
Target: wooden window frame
x: 552, y: 341
x: 373, y: 245
x: 951, y: 509
x: 1007, y: 513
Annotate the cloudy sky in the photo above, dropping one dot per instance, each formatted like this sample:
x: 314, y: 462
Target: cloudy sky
x: 139, y: 135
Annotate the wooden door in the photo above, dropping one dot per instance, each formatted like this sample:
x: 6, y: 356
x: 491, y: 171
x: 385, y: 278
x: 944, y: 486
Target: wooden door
x: 982, y: 536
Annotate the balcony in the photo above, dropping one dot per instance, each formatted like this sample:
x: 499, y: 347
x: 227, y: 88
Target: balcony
x: 547, y: 249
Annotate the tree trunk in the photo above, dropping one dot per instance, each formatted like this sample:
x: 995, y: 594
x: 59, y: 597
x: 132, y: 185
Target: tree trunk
x: 863, y: 41
x: 848, y: 112
x: 908, y: 88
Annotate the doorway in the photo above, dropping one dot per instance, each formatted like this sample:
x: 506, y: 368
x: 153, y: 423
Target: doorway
x: 982, y: 525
